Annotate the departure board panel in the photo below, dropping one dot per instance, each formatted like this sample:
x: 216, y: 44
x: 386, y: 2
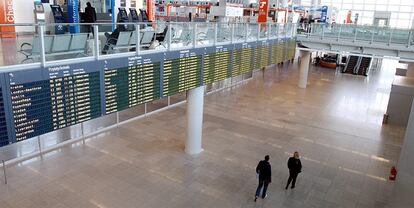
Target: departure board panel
x: 216, y: 66
x: 246, y: 60
x: 130, y: 86
x: 280, y: 52
x: 42, y: 106
x: 4, y: 139
x: 264, y: 56
x: 291, y: 50
x: 182, y: 74
x: 236, y: 63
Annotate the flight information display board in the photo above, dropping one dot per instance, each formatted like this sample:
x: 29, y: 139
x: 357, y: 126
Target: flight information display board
x: 279, y: 52
x: 182, y: 73
x: 133, y: 85
x: 263, y: 56
x: 291, y: 49
x: 236, y: 63
x: 4, y: 139
x: 216, y: 66
x: 246, y: 60
x: 43, y: 106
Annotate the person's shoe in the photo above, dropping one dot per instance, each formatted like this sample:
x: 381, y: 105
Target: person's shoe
x: 255, y: 198
x: 292, y: 187
x: 286, y: 188
x: 264, y: 196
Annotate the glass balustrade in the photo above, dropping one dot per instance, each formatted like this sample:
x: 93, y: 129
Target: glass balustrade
x: 36, y: 44
x: 357, y: 33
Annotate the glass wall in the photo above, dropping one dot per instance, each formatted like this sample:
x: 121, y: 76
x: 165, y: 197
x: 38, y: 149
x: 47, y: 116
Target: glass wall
x: 401, y: 10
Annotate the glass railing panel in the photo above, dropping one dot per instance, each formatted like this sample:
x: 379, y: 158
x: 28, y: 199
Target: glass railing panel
x: 252, y: 33
x: 347, y: 32
x: 382, y: 35
x: 19, y: 45
x: 264, y: 29
x: 240, y: 32
x: 205, y: 33
x: 68, y: 41
x: 281, y: 30
x: 273, y: 30
x: 400, y: 36
x: 364, y: 33
x: 331, y: 31
x: 223, y: 32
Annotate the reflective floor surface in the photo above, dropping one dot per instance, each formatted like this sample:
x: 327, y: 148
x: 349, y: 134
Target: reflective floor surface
x: 335, y: 124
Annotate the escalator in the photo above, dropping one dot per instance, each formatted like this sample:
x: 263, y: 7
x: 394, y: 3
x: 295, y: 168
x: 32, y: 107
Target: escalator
x: 364, y: 66
x: 351, y: 65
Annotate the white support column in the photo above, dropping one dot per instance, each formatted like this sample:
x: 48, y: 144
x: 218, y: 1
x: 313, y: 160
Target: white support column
x: 304, y: 68
x: 403, y: 190
x: 195, y: 106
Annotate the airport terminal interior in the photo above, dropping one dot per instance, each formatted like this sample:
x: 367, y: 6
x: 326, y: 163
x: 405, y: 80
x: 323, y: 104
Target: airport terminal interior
x: 206, y: 103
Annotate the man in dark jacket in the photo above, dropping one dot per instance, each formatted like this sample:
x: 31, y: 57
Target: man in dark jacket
x: 265, y: 176
x: 90, y: 16
x: 295, y: 167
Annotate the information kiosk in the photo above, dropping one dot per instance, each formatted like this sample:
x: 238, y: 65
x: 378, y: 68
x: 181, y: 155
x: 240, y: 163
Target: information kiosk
x: 58, y: 18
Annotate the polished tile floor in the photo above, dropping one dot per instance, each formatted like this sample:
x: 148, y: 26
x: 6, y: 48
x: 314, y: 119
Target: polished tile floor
x: 335, y: 124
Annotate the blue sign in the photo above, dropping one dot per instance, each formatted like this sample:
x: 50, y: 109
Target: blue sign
x: 324, y: 13
x: 73, y: 12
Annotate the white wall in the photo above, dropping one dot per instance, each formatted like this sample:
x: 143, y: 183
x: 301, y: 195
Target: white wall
x: 23, y: 13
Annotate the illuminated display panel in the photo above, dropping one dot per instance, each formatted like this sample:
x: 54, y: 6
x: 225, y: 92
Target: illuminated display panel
x: 236, y: 63
x: 4, y: 139
x: 246, y: 60
x: 291, y: 49
x: 130, y: 86
x: 216, y: 67
x: 181, y: 74
x: 264, y: 56
x: 43, y: 106
x: 280, y: 52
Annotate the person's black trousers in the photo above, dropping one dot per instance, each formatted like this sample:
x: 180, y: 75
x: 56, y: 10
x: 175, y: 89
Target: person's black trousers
x: 264, y: 184
x: 292, y: 178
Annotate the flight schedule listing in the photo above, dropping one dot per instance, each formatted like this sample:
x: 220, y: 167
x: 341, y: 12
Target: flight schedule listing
x: 216, y: 67
x: 4, y: 139
x: 181, y: 74
x: 131, y: 86
x: 44, y: 106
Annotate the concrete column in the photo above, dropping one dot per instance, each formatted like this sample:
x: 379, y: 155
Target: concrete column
x: 304, y: 68
x: 404, y: 188
x: 195, y: 103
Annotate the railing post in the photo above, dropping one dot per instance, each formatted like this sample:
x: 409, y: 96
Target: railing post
x: 246, y: 32
x: 117, y: 119
x: 42, y: 45
x: 232, y: 33
x: 389, y: 40
x: 355, y: 36
x: 372, y: 35
x: 410, y: 34
x: 215, y: 33
x: 269, y: 30
x: 323, y: 32
x: 4, y: 171
x: 194, y: 34
x: 138, y: 43
x: 83, y: 133
x: 169, y: 36
x: 40, y: 145
x: 339, y: 33
x: 277, y: 30
x: 96, y: 41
